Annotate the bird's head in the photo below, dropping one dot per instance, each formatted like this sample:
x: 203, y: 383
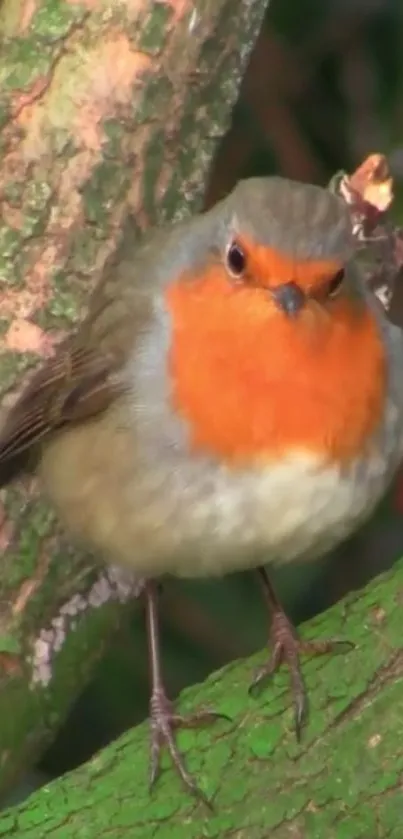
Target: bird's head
x: 274, y: 343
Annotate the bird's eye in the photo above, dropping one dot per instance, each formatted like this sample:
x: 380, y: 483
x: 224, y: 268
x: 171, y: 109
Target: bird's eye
x: 335, y: 283
x: 236, y: 260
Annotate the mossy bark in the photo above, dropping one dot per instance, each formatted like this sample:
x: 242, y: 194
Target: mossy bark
x: 105, y: 108
x: 343, y: 782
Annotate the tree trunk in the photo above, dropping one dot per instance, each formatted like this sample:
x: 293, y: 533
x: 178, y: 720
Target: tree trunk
x: 105, y: 108
x: 344, y: 780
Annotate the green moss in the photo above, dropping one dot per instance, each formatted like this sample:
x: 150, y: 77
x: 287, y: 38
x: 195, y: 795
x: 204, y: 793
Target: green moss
x: 4, y: 325
x: 10, y: 242
x: 4, y: 113
x: 13, y: 365
x: 84, y: 251
x: 10, y: 644
x: 62, y: 309
x: 13, y: 192
x: 24, y: 61
x: 156, y: 93
x: 114, y: 131
x: 36, y: 207
x: 37, y: 196
x: 172, y: 202
x: 53, y: 19
x: 35, y: 528
x: 154, y: 29
x: 109, y: 183
x: 9, y: 265
x: 154, y: 159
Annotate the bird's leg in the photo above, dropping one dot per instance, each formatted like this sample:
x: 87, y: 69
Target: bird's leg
x: 163, y: 719
x: 286, y: 647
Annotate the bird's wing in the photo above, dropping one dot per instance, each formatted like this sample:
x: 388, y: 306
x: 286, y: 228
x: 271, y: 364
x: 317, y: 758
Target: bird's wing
x: 74, y: 385
x: 86, y: 373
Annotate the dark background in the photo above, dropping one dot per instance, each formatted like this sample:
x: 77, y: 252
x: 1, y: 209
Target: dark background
x: 324, y: 89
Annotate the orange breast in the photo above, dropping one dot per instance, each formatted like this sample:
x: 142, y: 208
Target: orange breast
x: 252, y: 383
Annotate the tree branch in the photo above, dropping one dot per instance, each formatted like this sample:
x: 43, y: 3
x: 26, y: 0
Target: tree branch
x: 343, y: 780
x: 104, y: 108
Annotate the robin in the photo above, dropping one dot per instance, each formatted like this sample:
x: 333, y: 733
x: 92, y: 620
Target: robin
x: 232, y: 399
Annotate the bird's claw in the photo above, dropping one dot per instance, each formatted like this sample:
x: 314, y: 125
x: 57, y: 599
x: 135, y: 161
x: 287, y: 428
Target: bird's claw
x: 287, y: 648
x: 164, y: 721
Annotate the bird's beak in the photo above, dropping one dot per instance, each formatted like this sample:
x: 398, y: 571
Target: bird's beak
x: 290, y: 298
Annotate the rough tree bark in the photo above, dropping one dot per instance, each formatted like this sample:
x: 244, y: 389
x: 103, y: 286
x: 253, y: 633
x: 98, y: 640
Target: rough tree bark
x: 343, y: 782
x: 105, y: 108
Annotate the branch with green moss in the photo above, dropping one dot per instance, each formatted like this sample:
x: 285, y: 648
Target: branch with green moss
x: 105, y: 109
x: 343, y: 780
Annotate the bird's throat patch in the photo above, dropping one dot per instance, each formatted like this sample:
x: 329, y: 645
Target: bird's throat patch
x: 251, y: 384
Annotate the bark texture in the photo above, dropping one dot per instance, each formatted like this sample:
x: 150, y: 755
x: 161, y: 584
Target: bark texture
x: 105, y: 108
x: 343, y: 782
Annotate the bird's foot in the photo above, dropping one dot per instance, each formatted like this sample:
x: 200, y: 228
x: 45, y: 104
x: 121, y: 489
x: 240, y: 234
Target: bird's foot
x: 286, y: 647
x: 164, y: 722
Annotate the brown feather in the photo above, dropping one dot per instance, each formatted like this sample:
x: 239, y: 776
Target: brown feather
x: 74, y: 385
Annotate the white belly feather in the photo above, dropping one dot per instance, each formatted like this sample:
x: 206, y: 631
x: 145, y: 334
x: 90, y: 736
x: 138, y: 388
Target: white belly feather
x: 189, y: 517
x: 294, y: 510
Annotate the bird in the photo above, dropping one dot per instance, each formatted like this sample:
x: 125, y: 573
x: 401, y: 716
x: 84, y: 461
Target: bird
x: 231, y: 400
